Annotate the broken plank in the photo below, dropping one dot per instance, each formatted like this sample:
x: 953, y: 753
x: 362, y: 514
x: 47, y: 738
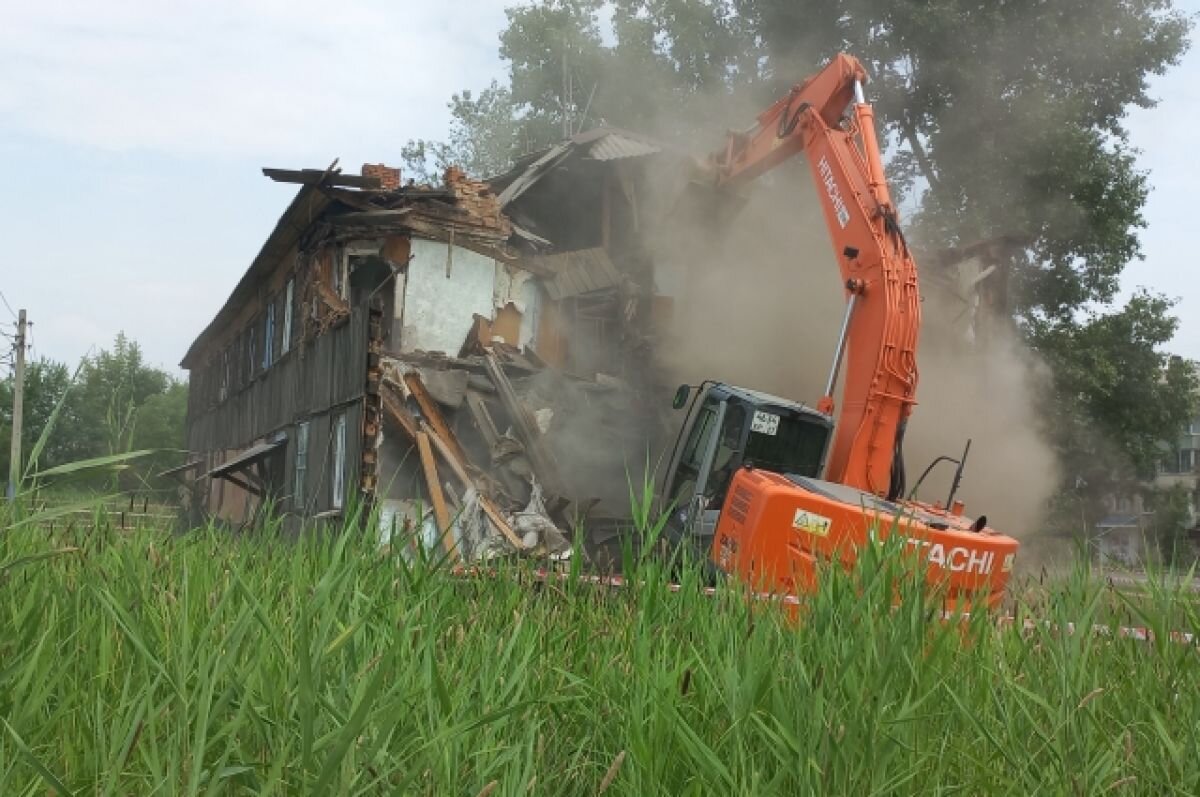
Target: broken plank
x: 441, y: 514
x: 483, y: 419
x: 499, y: 522
x: 432, y: 414
x: 395, y: 411
x: 527, y: 431
x: 448, y: 456
x: 320, y: 177
x: 485, y: 503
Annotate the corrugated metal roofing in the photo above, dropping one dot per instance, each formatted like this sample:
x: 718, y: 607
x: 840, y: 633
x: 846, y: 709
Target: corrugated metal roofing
x: 578, y: 272
x: 615, y: 146
x: 601, y: 143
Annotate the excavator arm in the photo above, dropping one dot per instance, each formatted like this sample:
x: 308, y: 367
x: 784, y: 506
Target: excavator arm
x: 883, y: 314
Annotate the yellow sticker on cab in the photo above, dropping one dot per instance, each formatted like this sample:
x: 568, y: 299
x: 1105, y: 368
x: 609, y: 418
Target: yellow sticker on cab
x: 811, y: 522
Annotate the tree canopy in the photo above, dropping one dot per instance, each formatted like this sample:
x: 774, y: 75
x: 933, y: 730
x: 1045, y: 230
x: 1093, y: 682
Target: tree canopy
x: 998, y: 119
x: 114, y: 403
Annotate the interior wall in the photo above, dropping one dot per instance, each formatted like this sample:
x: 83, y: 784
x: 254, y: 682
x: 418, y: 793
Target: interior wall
x: 445, y: 287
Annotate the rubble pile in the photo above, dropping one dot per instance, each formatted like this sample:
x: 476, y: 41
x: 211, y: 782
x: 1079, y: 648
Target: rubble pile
x: 519, y: 440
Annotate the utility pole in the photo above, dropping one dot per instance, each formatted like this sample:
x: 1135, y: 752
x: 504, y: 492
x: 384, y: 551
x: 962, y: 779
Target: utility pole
x: 14, y: 463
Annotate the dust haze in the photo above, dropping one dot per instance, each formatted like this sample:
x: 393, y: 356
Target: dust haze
x: 758, y: 302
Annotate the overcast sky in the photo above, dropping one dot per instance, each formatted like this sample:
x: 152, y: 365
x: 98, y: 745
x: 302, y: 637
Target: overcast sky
x: 131, y: 138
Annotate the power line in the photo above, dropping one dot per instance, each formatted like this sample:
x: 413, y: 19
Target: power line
x: 9, y: 306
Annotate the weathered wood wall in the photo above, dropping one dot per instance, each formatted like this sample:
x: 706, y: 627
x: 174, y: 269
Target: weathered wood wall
x: 314, y: 377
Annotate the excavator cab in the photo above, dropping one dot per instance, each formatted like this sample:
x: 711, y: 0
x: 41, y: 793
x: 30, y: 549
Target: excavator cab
x: 725, y: 428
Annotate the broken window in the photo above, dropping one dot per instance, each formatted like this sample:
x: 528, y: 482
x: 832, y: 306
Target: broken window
x: 301, y: 465
x: 268, y: 336
x: 289, y: 296
x: 339, y: 461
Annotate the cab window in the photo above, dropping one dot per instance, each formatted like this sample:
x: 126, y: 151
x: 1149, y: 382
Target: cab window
x: 692, y: 457
x: 728, y: 456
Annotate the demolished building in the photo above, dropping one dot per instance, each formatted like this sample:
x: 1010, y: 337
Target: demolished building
x: 436, y: 353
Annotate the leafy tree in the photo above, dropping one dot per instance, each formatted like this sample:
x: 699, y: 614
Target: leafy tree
x: 483, y: 138
x: 100, y: 415
x: 114, y: 404
x: 1005, y: 118
x: 1119, y: 394
x: 161, y: 423
x: 998, y: 119
x: 45, y: 383
x: 1172, y: 518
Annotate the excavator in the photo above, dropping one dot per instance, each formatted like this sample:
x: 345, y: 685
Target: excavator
x: 769, y: 490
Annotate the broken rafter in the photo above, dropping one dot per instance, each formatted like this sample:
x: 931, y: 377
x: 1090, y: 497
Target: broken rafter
x: 395, y: 411
x: 321, y: 177
x: 485, y: 503
x: 530, y: 436
x: 441, y: 514
x: 422, y: 434
x: 432, y: 414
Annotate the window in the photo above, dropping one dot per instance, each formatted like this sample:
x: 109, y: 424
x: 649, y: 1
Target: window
x: 341, y: 264
x: 688, y: 470
x: 1184, y: 460
x: 301, y: 468
x: 224, y: 393
x: 289, y: 296
x: 268, y: 336
x: 339, y: 461
x: 251, y: 352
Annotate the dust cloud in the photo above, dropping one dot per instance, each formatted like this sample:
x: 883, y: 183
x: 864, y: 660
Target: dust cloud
x: 757, y: 302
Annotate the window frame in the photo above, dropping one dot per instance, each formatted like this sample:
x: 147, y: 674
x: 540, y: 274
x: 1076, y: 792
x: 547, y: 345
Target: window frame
x: 337, y: 486
x: 300, y: 464
x: 251, y: 351
x: 289, y: 298
x: 268, y: 349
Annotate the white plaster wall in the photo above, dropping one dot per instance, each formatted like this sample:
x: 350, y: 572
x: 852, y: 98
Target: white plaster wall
x: 532, y: 294
x: 438, y: 309
x: 519, y: 288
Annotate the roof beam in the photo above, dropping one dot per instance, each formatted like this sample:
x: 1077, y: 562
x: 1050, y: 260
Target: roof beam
x: 321, y: 177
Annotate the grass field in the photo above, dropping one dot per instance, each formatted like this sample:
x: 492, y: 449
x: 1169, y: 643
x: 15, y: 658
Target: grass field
x: 144, y: 663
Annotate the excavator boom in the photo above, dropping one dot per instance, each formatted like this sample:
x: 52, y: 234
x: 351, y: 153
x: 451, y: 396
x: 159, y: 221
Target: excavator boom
x: 878, y: 272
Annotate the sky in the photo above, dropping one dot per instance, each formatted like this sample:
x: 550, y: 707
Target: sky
x: 133, y: 133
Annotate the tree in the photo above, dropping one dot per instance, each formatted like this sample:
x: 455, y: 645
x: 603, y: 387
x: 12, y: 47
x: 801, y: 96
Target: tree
x: 998, y: 119
x: 482, y: 141
x: 100, y: 415
x: 1171, y: 520
x: 1005, y: 118
x: 1120, y: 395
x: 161, y: 424
x: 45, y: 383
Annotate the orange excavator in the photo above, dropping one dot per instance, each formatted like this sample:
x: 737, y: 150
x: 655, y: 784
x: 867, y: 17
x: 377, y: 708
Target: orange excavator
x: 767, y: 489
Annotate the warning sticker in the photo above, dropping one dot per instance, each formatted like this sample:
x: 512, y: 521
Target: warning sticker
x: 764, y: 423
x: 811, y: 522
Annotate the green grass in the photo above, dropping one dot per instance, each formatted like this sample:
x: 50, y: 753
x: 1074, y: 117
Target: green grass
x: 144, y: 663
